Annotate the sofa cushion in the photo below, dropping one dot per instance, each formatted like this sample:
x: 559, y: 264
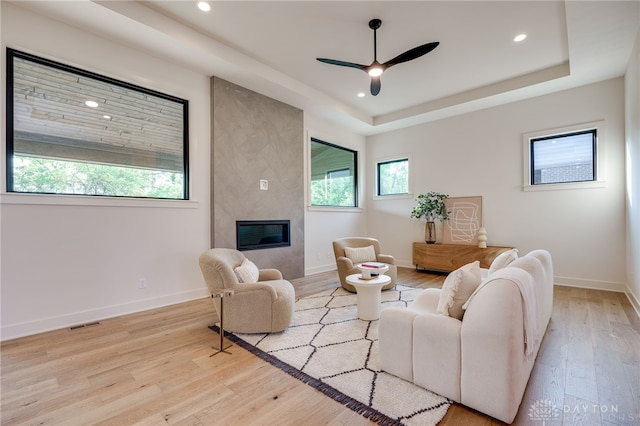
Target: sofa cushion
x: 360, y: 254
x: 247, y: 272
x: 457, y: 288
x: 503, y: 260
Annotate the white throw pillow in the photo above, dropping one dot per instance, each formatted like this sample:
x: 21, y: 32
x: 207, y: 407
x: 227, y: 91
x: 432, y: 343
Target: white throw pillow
x: 247, y: 272
x: 457, y: 288
x: 503, y: 260
x: 360, y: 254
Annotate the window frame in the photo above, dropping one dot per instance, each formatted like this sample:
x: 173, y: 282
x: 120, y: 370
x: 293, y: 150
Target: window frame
x: 599, y: 157
x: 356, y: 177
x: 388, y: 160
x: 9, y: 151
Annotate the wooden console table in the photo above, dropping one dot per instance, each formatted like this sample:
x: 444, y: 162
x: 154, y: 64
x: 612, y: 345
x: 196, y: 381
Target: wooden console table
x: 449, y: 257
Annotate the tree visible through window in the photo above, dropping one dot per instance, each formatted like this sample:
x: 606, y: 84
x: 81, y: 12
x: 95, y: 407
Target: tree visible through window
x: 71, y: 131
x: 393, y: 177
x: 333, y: 175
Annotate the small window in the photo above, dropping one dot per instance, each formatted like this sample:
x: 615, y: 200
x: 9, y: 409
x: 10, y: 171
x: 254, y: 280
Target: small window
x: 393, y: 177
x: 74, y: 132
x: 564, y: 158
x: 571, y: 157
x: 333, y: 175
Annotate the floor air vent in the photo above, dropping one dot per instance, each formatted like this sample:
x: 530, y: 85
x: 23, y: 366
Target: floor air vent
x: 89, y: 324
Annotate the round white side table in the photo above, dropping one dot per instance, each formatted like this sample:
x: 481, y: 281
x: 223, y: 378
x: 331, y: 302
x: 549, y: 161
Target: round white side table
x: 369, y: 297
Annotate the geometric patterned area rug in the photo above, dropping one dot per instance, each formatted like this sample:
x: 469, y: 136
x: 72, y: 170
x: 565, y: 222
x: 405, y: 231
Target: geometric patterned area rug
x: 329, y: 348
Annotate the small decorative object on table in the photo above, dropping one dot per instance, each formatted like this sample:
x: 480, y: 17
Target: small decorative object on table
x: 370, y: 270
x: 431, y: 206
x: 482, y: 238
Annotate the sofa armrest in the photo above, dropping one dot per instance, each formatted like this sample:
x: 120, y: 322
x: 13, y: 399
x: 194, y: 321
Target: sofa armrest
x: 395, y: 341
x: 495, y: 369
x: 386, y: 258
x: 436, y: 354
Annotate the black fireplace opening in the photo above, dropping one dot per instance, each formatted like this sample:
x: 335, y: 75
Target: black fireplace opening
x: 262, y: 234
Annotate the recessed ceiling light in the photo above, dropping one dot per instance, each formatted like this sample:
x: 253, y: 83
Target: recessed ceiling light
x: 204, y: 6
x: 92, y: 104
x: 106, y: 117
x: 520, y: 37
x: 361, y: 95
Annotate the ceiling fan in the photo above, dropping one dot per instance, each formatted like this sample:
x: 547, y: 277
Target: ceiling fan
x: 376, y: 69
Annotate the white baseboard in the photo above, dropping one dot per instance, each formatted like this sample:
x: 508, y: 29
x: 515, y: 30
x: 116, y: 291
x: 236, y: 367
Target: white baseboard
x: 634, y: 301
x: 592, y: 284
x: 320, y: 269
x: 42, y: 325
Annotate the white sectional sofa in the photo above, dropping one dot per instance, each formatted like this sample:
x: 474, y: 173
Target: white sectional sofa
x: 480, y: 361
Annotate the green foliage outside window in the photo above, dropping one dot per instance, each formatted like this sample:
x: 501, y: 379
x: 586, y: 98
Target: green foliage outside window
x: 43, y: 175
x: 71, y: 131
x: 333, y: 192
x: 333, y: 175
x: 393, y: 177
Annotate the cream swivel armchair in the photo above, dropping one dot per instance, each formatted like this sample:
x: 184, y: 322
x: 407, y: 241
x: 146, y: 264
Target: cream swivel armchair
x: 262, y: 306
x: 346, y: 264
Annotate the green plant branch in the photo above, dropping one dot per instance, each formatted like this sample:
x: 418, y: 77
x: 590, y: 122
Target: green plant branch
x: 431, y: 207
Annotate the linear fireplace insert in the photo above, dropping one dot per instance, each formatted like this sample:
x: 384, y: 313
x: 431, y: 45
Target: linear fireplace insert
x: 261, y: 234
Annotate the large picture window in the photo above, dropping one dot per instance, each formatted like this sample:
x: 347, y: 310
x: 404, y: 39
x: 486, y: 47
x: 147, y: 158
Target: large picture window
x: 333, y: 175
x: 71, y: 131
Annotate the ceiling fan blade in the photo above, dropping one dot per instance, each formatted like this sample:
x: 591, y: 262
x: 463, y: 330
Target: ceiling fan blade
x: 342, y: 63
x: 375, y: 85
x: 412, y: 54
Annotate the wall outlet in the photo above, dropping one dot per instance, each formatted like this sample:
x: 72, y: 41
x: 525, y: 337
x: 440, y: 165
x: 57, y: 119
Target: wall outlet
x: 142, y: 283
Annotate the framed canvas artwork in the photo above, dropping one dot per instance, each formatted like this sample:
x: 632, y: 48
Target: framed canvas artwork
x: 465, y: 219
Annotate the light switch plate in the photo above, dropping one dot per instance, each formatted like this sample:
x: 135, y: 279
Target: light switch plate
x: 264, y: 184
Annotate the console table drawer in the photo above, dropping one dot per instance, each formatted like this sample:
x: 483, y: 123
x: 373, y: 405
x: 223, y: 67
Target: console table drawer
x: 449, y: 257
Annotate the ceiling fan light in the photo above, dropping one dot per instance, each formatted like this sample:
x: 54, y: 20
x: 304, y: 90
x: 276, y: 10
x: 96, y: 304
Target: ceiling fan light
x: 375, y: 72
x: 204, y: 6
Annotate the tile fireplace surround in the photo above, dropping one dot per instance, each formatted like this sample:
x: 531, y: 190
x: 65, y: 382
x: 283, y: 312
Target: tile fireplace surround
x: 256, y: 139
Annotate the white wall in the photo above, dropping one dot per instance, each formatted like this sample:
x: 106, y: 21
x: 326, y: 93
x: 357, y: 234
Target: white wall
x: 632, y: 109
x: 323, y: 225
x: 480, y: 153
x: 69, y: 260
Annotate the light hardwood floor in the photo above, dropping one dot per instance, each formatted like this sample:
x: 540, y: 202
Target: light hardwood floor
x: 153, y: 368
